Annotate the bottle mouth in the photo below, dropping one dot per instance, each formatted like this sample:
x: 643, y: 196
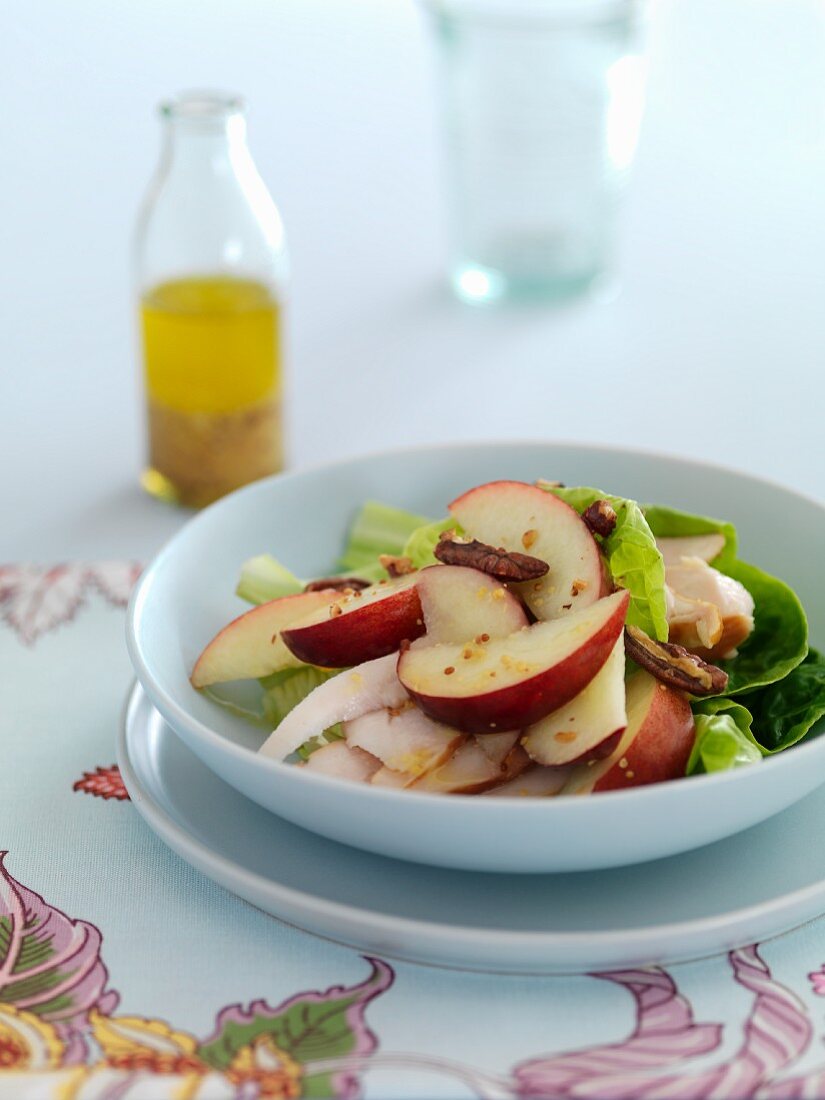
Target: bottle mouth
x: 202, y: 107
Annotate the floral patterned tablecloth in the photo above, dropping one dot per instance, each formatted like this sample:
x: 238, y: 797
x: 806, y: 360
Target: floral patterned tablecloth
x: 124, y: 973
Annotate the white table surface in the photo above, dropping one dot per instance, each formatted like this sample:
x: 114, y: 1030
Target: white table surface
x: 713, y: 348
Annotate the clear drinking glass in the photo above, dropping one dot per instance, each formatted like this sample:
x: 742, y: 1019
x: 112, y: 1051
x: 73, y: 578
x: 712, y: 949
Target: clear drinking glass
x: 541, y: 104
x: 211, y: 270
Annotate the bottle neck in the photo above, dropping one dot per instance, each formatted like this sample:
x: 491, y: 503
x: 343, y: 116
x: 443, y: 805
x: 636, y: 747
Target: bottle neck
x: 207, y: 209
x: 205, y: 133
x: 215, y: 146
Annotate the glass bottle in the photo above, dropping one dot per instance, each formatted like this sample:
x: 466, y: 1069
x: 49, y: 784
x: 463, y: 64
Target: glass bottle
x: 211, y: 270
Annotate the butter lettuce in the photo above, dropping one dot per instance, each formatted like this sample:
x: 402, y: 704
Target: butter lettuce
x: 784, y: 690
x: 285, y: 690
x: 738, y: 713
x: 780, y: 637
x: 422, y: 542
x: 779, y: 641
x: 632, y: 558
x: 281, y: 691
x: 721, y: 744
x: 791, y: 709
x: 778, y: 715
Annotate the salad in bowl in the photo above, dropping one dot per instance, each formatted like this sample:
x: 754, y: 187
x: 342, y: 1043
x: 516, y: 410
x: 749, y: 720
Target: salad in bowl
x: 537, y: 641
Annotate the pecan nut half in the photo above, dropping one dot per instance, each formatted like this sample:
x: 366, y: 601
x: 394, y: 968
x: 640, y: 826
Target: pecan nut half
x: 600, y: 517
x: 337, y: 584
x: 505, y: 565
x: 673, y: 664
x: 395, y: 566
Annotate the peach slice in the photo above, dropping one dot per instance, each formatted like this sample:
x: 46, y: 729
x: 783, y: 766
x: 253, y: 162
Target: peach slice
x: 509, y: 683
x: 497, y: 746
x: 461, y: 604
x: 370, y: 686
x: 529, y: 520
x: 706, y: 547
x: 589, y: 726
x: 655, y: 745
x: 360, y: 627
x: 386, y: 777
x: 470, y: 771
x: 342, y: 762
x: 535, y: 782
x: 403, y: 739
x: 251, y: 645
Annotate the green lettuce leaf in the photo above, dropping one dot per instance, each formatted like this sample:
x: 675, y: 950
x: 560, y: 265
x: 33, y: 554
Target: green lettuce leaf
x: 782, y: 713
x: 671, y: 523
x: 422, y: 542
x: 721, y: 704
x: 787, y: 711
x: 779, y: 641
x: 780, y: 637
x: 286, y: 689
x: 632, y: 558
x: 721, y: 743
x: 334, y: 733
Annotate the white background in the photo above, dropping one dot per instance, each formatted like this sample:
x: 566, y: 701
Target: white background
x: 714, y: 347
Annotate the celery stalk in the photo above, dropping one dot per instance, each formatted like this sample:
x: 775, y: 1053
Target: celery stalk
x: 264, y: 578
x: 378, y: 529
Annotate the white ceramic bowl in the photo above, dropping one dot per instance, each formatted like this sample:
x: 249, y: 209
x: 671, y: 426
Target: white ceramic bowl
x: 186, y: 595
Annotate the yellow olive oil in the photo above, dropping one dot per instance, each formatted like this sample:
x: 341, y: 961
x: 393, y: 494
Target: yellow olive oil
x: 213, y: 383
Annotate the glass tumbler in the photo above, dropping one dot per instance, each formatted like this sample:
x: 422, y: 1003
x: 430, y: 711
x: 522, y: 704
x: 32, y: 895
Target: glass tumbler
x: 541, y: 104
